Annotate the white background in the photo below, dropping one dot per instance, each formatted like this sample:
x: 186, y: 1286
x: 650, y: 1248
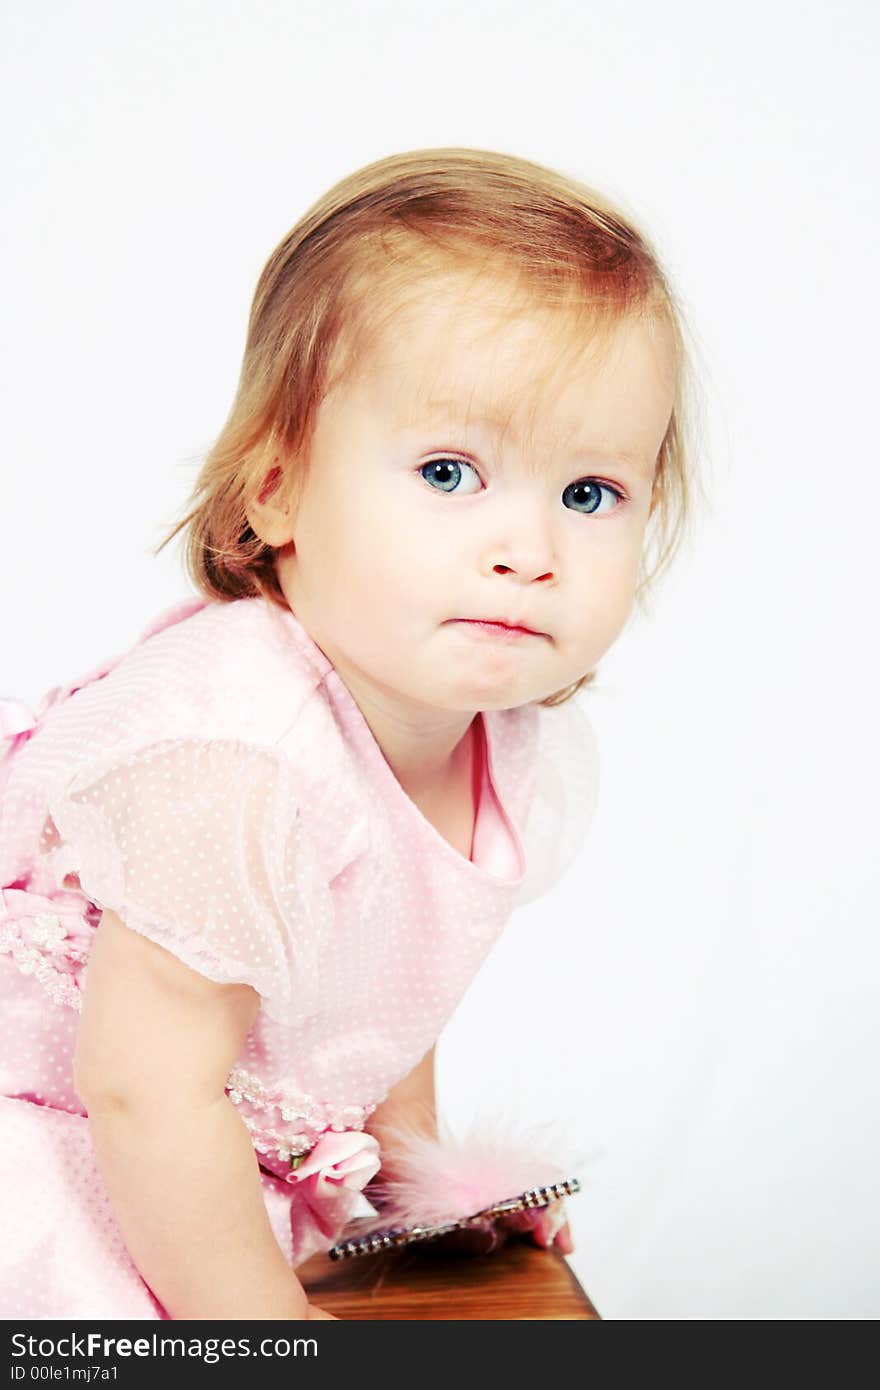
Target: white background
x: 701, y: 1021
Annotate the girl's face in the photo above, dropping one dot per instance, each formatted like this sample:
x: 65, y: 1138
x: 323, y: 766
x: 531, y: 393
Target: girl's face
x: 439, y: 492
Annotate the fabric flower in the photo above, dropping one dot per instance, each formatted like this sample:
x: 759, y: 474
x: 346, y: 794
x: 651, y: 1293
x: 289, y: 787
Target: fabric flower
x: 54, y: 925
x: 47, y: 938
x: 329, y: 1183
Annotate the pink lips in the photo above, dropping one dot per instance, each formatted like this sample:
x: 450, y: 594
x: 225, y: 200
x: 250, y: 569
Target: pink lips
x: 498, y: 629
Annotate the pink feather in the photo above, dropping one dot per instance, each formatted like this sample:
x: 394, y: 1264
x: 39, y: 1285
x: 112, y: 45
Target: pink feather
x: 429, y: 1181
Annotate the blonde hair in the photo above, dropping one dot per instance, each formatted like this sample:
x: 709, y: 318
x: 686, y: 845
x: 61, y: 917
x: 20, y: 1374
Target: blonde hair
x: 347, y: 267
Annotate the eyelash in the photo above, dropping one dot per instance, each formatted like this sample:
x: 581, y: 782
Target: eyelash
x: 451, y: 458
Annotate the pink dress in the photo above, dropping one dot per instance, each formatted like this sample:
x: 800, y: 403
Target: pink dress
x: 218, y: 787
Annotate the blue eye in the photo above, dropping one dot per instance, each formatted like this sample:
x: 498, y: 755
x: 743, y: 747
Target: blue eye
x: 445, y: 474
x: 585, y: 496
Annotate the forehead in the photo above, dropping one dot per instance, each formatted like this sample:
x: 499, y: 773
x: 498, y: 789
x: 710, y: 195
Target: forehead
x: 484, y: 364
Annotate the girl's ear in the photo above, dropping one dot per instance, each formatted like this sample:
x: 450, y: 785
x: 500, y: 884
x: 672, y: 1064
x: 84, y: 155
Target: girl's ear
x: 270, y: 514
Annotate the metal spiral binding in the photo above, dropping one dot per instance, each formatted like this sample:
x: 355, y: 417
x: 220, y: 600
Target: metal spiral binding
x: 396, y: 1235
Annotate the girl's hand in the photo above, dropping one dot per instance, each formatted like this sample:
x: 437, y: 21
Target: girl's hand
x: 551, y: 1228
x: 546, y: 1228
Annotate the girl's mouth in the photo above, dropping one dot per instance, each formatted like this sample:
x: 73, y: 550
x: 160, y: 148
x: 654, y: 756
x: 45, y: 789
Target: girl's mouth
x: 498, y: 630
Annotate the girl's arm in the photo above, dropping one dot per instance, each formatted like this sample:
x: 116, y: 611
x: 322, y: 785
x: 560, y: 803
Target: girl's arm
x: 411, y: 1103
x: 155, y: 1047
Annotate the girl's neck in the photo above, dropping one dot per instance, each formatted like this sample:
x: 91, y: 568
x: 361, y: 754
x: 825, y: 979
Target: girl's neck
x: 426, y: 749
x: 436, y: 784
x: 452, y: 805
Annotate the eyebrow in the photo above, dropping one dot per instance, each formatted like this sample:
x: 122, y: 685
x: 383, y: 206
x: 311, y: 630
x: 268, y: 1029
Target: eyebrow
x: 494, y: 422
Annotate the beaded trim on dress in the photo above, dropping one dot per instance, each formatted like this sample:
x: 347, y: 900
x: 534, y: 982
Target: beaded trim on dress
x: 303, y: 1118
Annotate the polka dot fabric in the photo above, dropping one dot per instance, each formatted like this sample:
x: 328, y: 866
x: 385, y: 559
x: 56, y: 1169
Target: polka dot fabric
x: 200, y: 846
x: 218, y: 787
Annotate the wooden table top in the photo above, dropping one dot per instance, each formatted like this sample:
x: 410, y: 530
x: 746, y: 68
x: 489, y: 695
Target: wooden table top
x: 519, y: 1282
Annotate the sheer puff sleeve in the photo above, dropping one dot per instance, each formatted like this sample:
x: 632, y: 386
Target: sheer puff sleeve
x: 563, y: 799
x: 199, y: 845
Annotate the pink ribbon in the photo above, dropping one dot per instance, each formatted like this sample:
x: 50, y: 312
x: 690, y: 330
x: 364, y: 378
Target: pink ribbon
x: 329, y: 1181
x: 18, y: 718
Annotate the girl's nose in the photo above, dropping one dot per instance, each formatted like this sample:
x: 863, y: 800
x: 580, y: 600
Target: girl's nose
x: 526, y: 551
x: 524, y: 569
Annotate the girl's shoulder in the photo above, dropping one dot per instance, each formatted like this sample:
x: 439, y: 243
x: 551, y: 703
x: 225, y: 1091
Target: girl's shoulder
x: 179, y: 784
x: 225, y: 684
x: 228, y: 669
x: 206, y: 668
